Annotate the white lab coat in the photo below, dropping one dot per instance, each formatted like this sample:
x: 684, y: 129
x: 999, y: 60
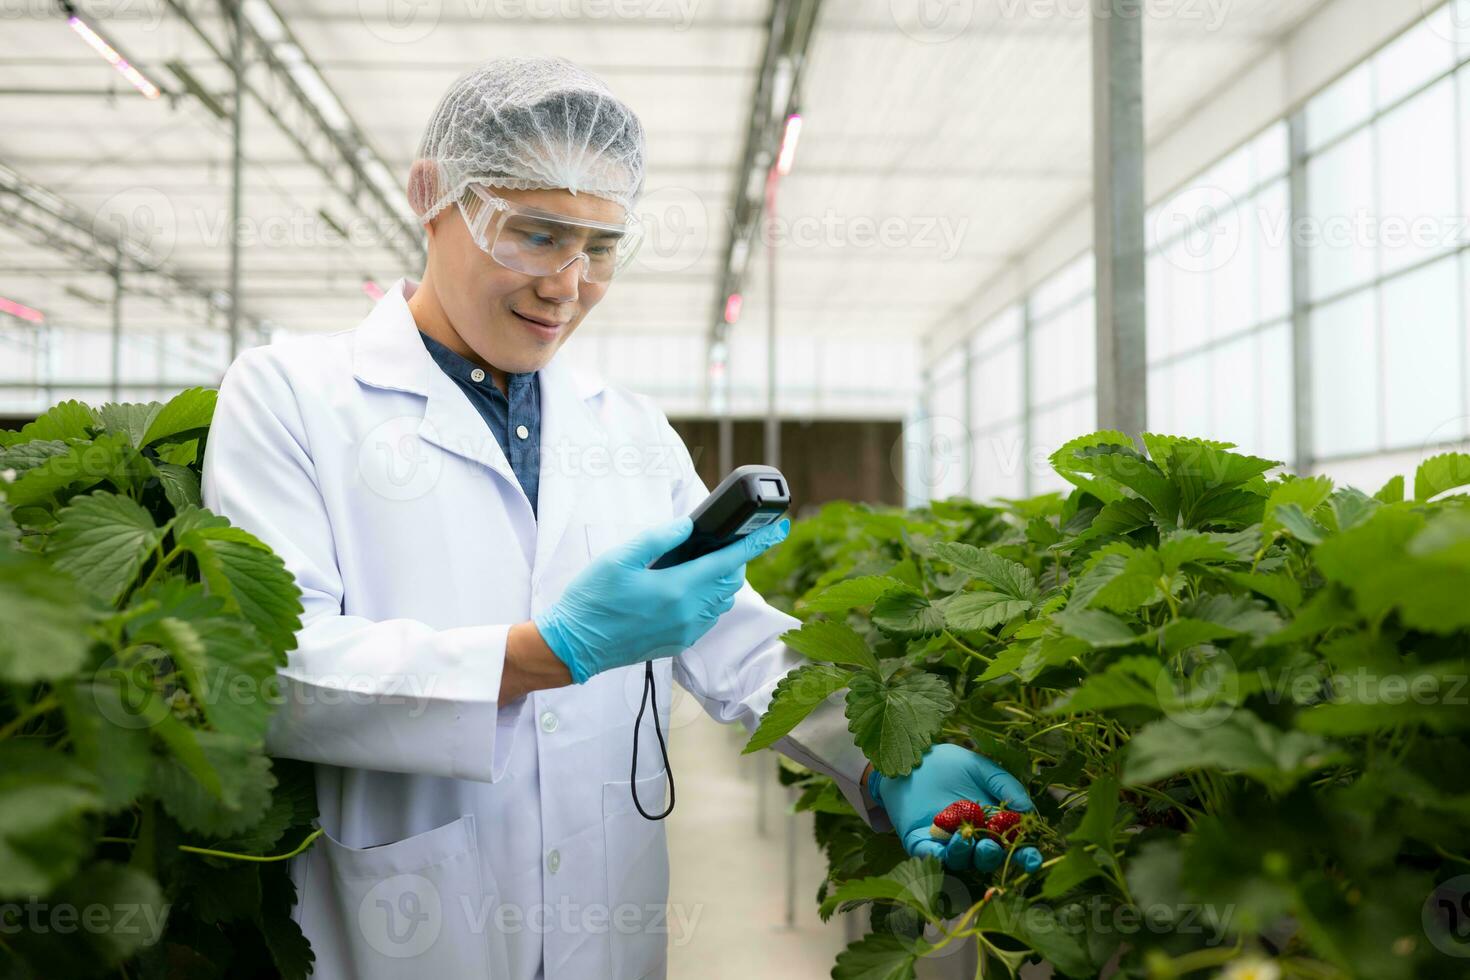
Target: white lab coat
x: 465, y: 839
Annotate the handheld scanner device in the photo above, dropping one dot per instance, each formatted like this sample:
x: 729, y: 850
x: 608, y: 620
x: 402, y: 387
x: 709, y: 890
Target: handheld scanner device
x: 749, y: 498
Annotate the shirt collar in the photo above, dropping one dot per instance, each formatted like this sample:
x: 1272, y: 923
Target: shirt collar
x: 462, y: 369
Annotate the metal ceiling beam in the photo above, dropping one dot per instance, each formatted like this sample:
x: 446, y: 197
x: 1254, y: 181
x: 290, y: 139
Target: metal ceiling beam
x: 789, y: 32
x: 49, y: 222
x: 342, y: 154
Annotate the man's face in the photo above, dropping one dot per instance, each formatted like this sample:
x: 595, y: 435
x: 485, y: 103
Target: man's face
x: 513, y: 321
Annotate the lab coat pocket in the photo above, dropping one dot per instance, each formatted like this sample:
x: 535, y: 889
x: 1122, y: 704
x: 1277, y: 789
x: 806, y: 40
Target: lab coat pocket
x: 637, y: 878
x: 418, y: 907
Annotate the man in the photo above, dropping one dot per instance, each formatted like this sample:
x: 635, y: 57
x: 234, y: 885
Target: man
x: 470, y: 522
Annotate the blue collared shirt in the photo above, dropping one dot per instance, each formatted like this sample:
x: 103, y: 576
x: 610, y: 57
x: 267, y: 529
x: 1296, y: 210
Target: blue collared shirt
x: 513, y: 415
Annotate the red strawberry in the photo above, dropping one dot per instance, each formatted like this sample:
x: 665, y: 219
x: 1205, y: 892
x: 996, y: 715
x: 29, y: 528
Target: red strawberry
x: 962, y: 816
x: 1005, y: 824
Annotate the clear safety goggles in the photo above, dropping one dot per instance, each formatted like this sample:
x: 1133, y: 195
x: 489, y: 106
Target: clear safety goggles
x: 543, y: 243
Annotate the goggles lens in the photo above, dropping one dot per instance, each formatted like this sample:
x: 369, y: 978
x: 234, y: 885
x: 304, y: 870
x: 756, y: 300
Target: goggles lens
x: 539, y: 243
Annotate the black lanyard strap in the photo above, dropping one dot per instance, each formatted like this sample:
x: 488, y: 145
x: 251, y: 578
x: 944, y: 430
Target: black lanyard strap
x: 650, y: 695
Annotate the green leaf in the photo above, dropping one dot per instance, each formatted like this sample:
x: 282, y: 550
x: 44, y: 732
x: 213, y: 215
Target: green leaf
x: 1237, y: 614
x: 1242, y: 743
x: 1304, y: 494
x: 26, y: 456
x: 833, y: 642
x: 980, y: 610
x: 1118, y: 518
x: 245, y: 787
x: 850, y: 594
x: 120, y: 755
x: 1065, y: 463
x: 1136, y: 583
x: 1439, y: 474
x: 1186, y: 547
x: 907, y: 613
x: 1099, y: 822
x: 915, y: 884
x: 1124, y: 466
x: 1396, y: 560
x: 1279, y: 587
x: 186, y: 415
x: 1005, y: 576
x: 824, y: 797
x: 64, y: 420
x: 84, y: 465
x: 102, y: 540
x: 1350, y: 507
x: 180, y: 485
x: 1075, y: 867
x: 1129, y: 682
x: 1369, y: 701
x: 1006, y: 662
x: 44, y: 800
x: 1296, y: 523
x: 796, y: 696
x: 129, y: 419
x: 43, y: 625
x: 894, y: 720
x: 879, y: 956
x: 1391, y: 492
x: 251, y: 578
x: 1098, y: 628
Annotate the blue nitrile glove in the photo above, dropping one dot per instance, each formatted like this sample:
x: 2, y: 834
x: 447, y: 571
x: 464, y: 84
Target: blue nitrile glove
x: 945, y: 774
x: 618, y: 611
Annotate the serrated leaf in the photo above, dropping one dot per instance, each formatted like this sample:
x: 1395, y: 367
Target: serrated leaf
x: 1129, y: 682
x: 1118, y: 518
x: 1238, y: 614
x: 130, y: 419
x: 1279, y: 587
x: 915, y: 884
x: 850, y: 594
x: 1185, y: 547
x: 1099, y: 821
x: 907, y: 613
x: 1136, y: 584
x: 246, y: 573
x: 1125, y: 467
x: 119, y: 755
x: 102, y: 540
x: 1007, y: 661
x: 1431, y: 697
x: 26, y: 456
x: 1003, y: 575
x: 1296, y: 523
x: 43, y: 625
x: 180, y: 485
x: 245, y: 787
x: 1440, y: 474
x: 980, y: 610
x: 1075, y: 867
x: 1305, y: 494
x: 185, y: 415
x: 125, y: 912
x: 70, y: 419
x: 833, y: 642
x: 1350, y: 507
x: 894, y: 720
x: 880, y: 956
x: 796, y: 696
x: 1398, y: 560
x: 1391, y: 492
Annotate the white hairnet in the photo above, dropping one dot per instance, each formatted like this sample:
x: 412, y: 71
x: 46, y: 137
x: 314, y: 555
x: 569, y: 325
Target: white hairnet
x: 528, y: 124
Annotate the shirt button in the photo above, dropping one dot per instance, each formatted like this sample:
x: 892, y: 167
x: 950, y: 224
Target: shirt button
x: 522, y: 432
x: 553, y: 861
x: 549, y: 722
x: 477, y: 375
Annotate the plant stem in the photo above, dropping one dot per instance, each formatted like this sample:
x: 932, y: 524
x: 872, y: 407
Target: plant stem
x: 48, y: 703
x: 232, y: 856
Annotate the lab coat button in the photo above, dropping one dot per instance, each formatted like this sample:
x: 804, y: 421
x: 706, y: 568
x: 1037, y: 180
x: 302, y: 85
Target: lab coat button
x: 522, y: 432
x: 553, y: 861
x: 549, y: 722
x: 477, y: 375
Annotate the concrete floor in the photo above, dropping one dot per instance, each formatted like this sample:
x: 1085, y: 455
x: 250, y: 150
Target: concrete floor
x: 727, y: 882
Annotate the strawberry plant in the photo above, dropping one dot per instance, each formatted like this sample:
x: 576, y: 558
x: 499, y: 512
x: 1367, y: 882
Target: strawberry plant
x: 141, y: 824
x: 1238, y: 699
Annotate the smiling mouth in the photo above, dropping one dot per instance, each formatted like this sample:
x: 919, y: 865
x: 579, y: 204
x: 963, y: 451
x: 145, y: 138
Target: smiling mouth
x: 538, y: 324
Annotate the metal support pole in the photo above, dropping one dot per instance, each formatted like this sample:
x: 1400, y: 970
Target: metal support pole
x: 1028, y: 397
x: 1301, y: 298
x: 773, y: 422
x: 117, y: 326
x: 791, y: 854
x: 237, y: 138
x: 1118, y: 195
